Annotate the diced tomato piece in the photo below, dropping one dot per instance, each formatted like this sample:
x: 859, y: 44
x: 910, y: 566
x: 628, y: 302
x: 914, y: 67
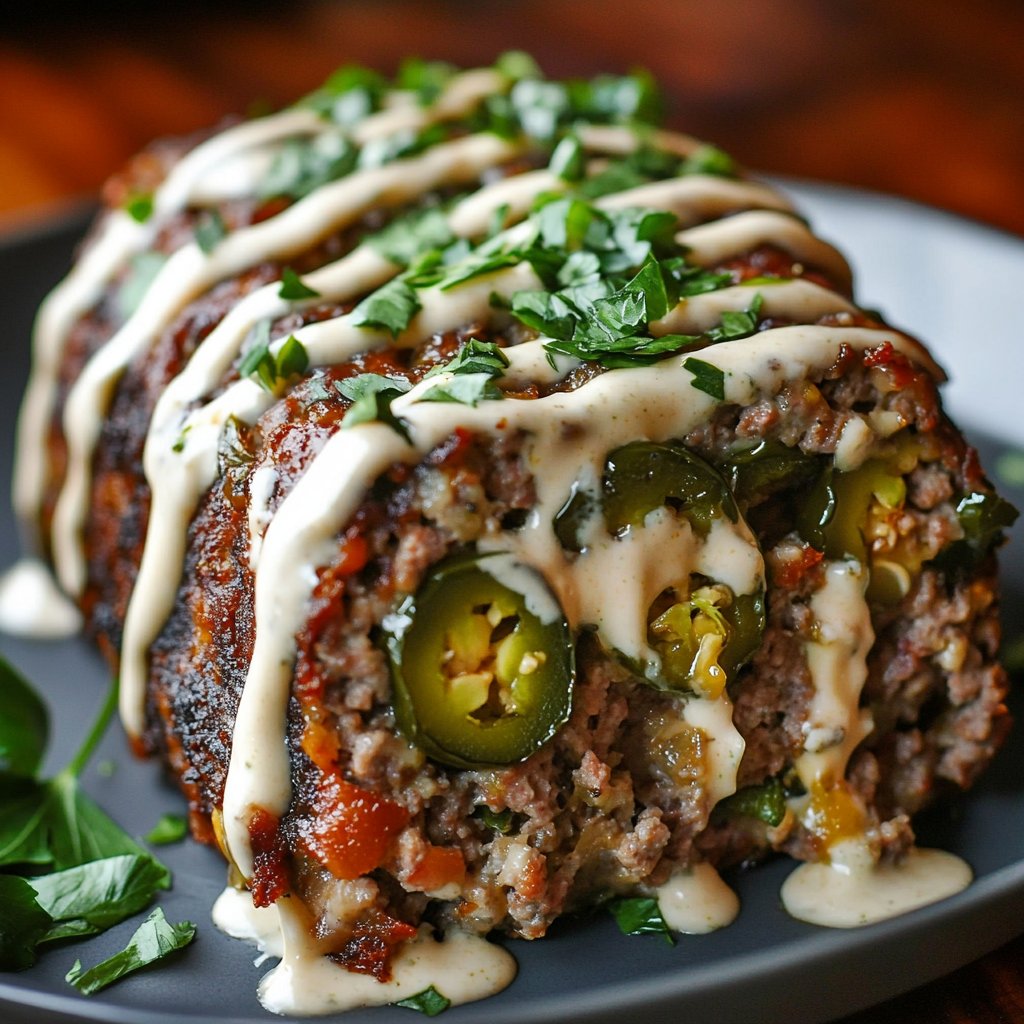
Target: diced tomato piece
x: 352, y: 828
x: 440, y: 866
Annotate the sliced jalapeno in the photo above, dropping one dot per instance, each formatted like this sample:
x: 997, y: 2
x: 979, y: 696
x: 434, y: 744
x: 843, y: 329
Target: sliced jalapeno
x: 767, y: 468
x: 479, y: 678
x: 643, y: 476
x: 837, y: 511
x: 704, y: 640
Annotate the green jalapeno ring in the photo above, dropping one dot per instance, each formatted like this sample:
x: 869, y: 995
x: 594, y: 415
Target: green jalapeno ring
x: 479, y: 679
x: 644, y: 475
x: 739, y: 624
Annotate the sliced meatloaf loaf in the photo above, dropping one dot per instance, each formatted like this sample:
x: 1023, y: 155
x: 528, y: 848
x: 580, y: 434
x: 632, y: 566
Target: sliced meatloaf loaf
x: 495, y: 505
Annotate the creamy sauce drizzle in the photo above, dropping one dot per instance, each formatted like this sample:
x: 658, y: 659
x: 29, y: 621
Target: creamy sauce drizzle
x: 852, y: 890
x: 568, y: 437
x: 462, y: 967
x: 31, y: 605
x: 837, y: 661
x: 697, y: 901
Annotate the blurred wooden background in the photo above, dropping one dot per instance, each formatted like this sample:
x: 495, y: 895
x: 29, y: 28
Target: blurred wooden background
x: 921, y: 98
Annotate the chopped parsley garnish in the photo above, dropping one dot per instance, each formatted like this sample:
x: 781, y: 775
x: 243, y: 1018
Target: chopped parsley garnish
x: 371, y: 395
x: 640, y: 915
x: 390, y: 308
x: 568, y: 161
x: 141, y: 274
x: 707, y: 378
x: 735, y: 325
x: 426, y: 78
x: 466, y: 389
x: 429, y: 1002
x: 304, y: 165
x: 210, y: 230
x: 708, y: 159
x: 408, y: 237
x: 139, y: 206
x: 515, y: 64
x: 269, y: 369
x: 476, y: 356
x: 348, y: 95
x: 408, y: 142
x: 293, y: 287
x: 171, y: 828
x: 154, y: 939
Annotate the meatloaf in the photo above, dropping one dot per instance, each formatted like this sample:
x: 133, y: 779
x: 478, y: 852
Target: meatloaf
x: 495, y: 505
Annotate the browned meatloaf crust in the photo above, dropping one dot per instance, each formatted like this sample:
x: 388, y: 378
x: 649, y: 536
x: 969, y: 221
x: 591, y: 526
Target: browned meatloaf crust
x: 611, y: 801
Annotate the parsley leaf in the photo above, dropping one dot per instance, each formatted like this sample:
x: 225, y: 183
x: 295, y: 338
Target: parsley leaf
x: 411, y: 235
x: 154, y: 939
x: 735, y: 325
x: 142, y: 272
x: 268, y: 368
x: 23, y: 923
x: 348, y: 95
x: 708, y: 159
x: 640, y: 915
x: 476, y: 356
x: 209, y: 231
x: 429, y: 1002
x: 466, y: 389
x: 567, y: 160
x: 171, y: 828
x: 304, y: 165
x: 139, y: 206
x: 426, y: 78
x: 516, y: 64
x: 707, y: 378
x: 24, y: 724
x: 371, y: 395
x: 293, y: 287
x: 389, y: 308
x: 93, y: 897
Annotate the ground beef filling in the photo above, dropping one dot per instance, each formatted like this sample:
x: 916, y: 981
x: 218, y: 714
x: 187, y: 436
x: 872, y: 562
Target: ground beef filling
x: 602, y: 807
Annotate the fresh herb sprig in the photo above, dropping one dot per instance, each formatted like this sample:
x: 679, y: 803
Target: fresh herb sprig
x: 640, y: 915
x: 270, y: 369
x: 69, y: 870
x: 371, y: 395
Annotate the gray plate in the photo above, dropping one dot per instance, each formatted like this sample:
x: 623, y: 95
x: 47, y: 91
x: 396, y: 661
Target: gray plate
x: 936, y: 274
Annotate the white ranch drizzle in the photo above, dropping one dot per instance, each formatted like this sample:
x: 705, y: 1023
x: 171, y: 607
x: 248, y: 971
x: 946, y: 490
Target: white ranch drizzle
x: 463, y: 967
x: 565, y: 431
x: 711, y: 243
x: 190, y: 271
x: 852, y: 890
x: 180, y: 456
x: 119, y: 236
x: 32, y: 606
x: 837, y: 662
x: 696, y: 901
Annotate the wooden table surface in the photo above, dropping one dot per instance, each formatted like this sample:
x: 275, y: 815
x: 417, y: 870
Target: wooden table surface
x: 920, y: 98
